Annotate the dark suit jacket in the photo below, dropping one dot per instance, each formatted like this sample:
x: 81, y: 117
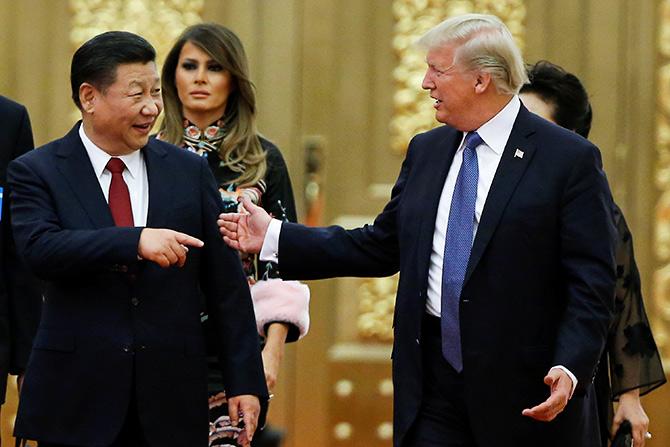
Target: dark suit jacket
x: 113, y: 325
x: 20, y: 294
x: 539, y: 285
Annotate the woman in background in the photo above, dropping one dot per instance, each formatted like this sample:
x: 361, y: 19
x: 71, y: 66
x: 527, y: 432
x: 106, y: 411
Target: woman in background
x: 635, y: 366
x: 210, y: 109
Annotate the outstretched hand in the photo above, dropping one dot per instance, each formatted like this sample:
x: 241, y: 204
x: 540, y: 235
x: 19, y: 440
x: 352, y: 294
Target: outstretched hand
x: 561, y: 388
x: 245, y: 231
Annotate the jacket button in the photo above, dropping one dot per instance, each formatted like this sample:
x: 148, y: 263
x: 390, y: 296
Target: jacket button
x: 135, y: 301
x: 126, y: 348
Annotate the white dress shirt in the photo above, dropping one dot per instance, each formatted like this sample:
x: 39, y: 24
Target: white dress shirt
x: 495, y: 133
x: 135, y: 176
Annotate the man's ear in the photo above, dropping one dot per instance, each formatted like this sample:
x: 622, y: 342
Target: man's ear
x: 87, y: 97
x: 482, y: 82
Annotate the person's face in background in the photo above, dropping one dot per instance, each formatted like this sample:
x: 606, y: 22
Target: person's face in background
x: 203, y: 85
x: 538, y: 106
x: 452, y: 88
x: 119, y: 118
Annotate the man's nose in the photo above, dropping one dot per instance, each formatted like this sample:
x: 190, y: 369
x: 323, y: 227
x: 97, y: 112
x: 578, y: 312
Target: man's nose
x: 427, y: 82
x: 153, y: 107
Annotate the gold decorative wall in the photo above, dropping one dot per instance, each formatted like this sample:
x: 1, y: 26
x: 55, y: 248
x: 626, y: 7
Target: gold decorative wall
x: 661, y: 277
x: 412, y: 110
x: 158, y: 21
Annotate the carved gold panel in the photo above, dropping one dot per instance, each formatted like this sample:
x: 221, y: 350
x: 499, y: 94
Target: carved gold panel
x: 412, y: 108
x: 376, y: 305
x: 158, y: 21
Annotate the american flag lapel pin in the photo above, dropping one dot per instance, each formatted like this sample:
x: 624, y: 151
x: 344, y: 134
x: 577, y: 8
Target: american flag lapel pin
x: 518, y: 153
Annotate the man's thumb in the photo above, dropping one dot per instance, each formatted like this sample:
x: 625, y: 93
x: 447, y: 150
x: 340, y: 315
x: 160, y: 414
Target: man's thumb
x: 549, y: 380
x: 248, y: 205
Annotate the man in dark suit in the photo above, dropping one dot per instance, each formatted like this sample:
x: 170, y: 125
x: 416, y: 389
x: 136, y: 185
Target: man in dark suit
x: 20, y: 297
x: 124, y: 232
x: 500, y: 226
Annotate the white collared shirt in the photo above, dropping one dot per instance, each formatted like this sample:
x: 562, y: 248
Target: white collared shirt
x: 135, y: 176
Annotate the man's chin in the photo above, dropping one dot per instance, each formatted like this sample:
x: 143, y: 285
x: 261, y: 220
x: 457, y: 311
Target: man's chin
x: 141, y: 142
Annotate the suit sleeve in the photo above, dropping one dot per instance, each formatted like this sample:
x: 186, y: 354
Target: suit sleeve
x: 51, y: 251
x: 16, y: 324
x: 588, y: 239
x: 328, y: 252
x: 25, y: 291
x: 229, y: 301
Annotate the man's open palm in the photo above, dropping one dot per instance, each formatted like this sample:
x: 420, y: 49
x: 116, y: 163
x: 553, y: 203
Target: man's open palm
x: 245, y: 231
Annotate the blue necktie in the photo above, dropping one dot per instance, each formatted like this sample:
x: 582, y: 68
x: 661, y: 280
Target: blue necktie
x: 457, y: 249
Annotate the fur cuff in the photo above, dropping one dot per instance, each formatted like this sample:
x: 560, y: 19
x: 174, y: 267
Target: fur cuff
x: 278, y: 301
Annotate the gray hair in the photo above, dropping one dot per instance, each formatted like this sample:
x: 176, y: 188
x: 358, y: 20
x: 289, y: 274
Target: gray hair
x: 484, y: 44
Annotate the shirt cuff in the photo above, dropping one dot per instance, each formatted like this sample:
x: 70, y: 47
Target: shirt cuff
x: 270, y: 248
x: 572, y: 377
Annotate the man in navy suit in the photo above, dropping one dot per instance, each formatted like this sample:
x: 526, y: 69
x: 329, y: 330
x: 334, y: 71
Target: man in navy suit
x: 20, y: 295
x: 124, y: 232
x: 500, y: 226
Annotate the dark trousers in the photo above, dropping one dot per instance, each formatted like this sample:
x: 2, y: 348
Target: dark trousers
x: 131, y: 434
x: 443, y: 418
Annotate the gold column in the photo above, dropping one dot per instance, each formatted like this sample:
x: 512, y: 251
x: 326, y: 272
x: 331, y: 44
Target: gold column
x: 661, y: 247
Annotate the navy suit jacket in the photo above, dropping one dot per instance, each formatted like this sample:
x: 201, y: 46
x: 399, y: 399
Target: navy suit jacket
x: 539, y: 285
x: 112, y: 325
x: 20, y: 292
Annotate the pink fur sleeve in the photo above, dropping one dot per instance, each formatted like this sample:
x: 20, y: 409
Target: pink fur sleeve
x: 281, y: 301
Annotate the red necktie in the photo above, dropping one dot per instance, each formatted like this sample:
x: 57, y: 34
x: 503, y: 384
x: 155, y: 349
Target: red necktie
x: 119, y: 197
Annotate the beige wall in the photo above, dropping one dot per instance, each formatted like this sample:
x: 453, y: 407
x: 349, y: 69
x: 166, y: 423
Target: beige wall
x: 323, y: 68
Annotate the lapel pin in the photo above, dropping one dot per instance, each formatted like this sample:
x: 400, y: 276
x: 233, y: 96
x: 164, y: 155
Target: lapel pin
x: 518, y: 153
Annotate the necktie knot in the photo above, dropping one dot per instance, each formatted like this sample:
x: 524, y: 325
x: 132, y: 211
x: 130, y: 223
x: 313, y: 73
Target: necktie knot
x: 115, y: 165
x: 472, y: 140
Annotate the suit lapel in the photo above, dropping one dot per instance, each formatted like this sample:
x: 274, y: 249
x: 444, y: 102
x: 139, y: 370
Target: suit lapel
x: 435, y: 169
x: 507, y: 176
x: 76, y: 167
x: 160, y: 175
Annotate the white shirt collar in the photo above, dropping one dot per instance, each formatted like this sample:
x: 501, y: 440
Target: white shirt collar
x: 495, y: 132
x: 99, y: 157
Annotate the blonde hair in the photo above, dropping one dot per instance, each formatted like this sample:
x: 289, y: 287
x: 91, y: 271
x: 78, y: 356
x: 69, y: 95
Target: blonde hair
x: 485, y: 44
x: 241, y: 149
